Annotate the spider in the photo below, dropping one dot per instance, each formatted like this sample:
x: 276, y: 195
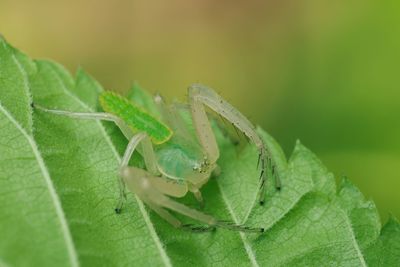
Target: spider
x: 177, y: 161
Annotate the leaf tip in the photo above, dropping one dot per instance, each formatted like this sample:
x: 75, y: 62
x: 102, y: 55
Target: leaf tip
x: 345, y: 183
x: 299, y: 147
x: 348, y: 190
x: 80, y: 71
x: 81, y: 74
x: 392, y: 220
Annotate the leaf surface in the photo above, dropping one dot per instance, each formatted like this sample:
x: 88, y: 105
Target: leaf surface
x: 33, y: 227
x: 84, y: 163
x: 14, y: 86
x: 386, y: 249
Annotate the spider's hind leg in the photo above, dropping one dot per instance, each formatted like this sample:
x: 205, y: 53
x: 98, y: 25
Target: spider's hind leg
x: 166, y: 215
x: 142, y: 183
x: 209, y: 220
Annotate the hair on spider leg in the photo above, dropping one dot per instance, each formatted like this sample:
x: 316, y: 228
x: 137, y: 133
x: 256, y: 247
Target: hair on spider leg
x: 241, y: 135
x: 275, y: 174
x: 224, y: 126
x: 262, y: 201
x: 261, y: 175
x: 239, y: 227
x: 262, y: 182
x: 247, y: 139
x: 259, y: 160
x: 252, y: 229
x: 236, y: 130
x: 197, y: 228
x: 118, y: 210
x: 222, y: 119
x: 226, y: 222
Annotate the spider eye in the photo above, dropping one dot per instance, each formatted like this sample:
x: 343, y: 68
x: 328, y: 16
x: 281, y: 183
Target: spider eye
x: 202, y: 166
x: 196, y: 168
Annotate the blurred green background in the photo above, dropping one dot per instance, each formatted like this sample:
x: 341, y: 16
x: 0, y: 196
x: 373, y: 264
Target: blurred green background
x: 324, y: 72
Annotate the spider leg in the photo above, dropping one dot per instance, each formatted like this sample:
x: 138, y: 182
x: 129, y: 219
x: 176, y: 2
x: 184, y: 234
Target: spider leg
x: 197, y: 194
x: 205, y: 218
x: 140, y: 183
x: 149, y: 158
x: 91, y: 116
x: 166, y: 215
x: 170, y: 115
x: 200, y: 96
x: 146, y: 148
x: 133, y: 143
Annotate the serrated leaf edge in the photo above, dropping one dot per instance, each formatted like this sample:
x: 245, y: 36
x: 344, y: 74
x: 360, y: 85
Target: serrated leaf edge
x: 353, y: 238
x: 246, y: 244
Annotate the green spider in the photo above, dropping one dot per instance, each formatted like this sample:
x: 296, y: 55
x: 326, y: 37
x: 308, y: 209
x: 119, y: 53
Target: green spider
x: 177, y: 161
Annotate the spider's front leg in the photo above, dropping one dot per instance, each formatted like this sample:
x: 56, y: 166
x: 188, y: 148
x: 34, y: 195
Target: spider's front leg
x: 146, y: 148
x: 200, y: 96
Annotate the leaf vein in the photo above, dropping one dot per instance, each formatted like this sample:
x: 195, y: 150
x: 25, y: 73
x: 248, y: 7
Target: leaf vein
x: 246, y: 244
x: 149, y: 224
x: 353, y: 239
x: 56, y: 201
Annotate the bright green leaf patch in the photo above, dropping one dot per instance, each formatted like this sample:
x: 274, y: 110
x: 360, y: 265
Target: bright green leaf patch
x: 58, y: 191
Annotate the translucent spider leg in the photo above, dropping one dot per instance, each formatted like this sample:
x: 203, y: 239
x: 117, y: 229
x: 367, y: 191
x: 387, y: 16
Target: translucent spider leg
x: 171, y: 115
x: 133, y: 143
x: 91, y: 116
x: 207, y: 219
x: 200, y: 96
x: 141, y: 183
x: 146, y: 148
x: 197, y: 194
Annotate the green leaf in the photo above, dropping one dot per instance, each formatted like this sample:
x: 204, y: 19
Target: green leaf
x: 302, y: 174
x: 84, y: 163
x: 32, y: 221
x: 323, y: 180
x: 87, y: 89
x: 362, y: 214
x: 15, y: 92
x: 58, y: 189
x: 386, y: 250
x: 33, y: 227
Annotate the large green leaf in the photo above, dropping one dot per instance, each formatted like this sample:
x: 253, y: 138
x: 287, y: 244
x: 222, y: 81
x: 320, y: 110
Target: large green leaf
x: 58, y: 190
x: 33, y: 227
x: 15, y: 92
x: 84, y: 162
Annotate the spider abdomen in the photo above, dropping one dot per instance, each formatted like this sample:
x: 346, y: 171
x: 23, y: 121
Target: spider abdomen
x: 135, y: 117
